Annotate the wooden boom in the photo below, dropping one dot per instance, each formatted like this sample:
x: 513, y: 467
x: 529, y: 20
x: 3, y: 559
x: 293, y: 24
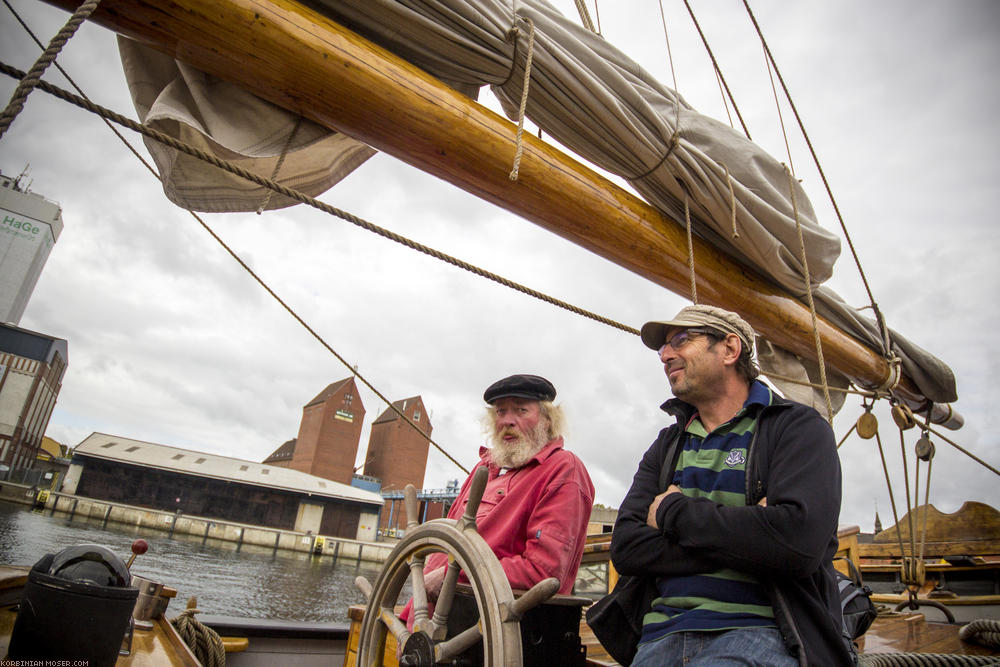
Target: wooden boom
x: 302, y: 61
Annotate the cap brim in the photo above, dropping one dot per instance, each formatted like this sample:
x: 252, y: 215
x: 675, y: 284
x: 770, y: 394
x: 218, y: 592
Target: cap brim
x: 518, y: 394
x: 654, y: 334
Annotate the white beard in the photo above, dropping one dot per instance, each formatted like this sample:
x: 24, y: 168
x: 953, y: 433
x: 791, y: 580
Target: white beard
x: 518, y: 452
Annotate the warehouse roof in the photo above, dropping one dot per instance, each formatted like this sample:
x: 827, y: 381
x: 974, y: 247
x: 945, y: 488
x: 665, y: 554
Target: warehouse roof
x: 175, y: 459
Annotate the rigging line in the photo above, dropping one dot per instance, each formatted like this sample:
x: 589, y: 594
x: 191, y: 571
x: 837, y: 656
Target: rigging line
x: 30, y: 81
x: 585, y: 19
x: 315, y: 203
x: 906, y: 485
x: 964, y: 451
x: 848, y: 434
x: 816, y: 385
x: 892, y: 496
x: 927, y: 507
x: 673, y: 72
x: 62, y: 71
x: 277, y: 165
x: 198, y: 218
x: 718, y: 72
x: 819, y: 168
x: 809, y: 294
x: 687, y: 219
x: 781, y: 117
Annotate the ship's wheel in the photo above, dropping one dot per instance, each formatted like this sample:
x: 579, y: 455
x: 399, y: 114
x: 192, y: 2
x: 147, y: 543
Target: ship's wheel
x: 498, y: 626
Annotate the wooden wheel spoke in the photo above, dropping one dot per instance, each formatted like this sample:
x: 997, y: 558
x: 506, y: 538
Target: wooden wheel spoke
x: 445, y: 598
x: 420, y: 615
x: 394, y: 625
x: 451, y: 649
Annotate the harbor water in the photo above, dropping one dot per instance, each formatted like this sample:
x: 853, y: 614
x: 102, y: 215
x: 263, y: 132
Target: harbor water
x: 227, y: 579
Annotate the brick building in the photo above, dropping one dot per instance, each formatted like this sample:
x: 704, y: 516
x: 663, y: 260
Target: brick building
x: 329, y: 434
x: 397, y: 452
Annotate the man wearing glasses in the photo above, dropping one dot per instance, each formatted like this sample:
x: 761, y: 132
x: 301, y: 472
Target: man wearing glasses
x: 731, y: 519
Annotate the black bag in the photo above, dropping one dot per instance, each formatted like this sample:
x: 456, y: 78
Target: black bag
x: 616, y: 619
x: 856, y: 606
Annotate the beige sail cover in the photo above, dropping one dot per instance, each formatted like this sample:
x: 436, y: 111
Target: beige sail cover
x: 584, y: 92
x: 229, y: 123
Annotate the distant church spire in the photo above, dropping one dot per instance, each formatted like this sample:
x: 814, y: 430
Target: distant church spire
x: 878, y: 523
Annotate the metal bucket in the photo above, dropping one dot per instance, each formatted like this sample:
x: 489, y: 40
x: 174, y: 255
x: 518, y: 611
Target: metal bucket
x: 150, y: 604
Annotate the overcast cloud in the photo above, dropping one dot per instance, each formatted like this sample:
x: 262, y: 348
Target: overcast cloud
x: 170, y: 341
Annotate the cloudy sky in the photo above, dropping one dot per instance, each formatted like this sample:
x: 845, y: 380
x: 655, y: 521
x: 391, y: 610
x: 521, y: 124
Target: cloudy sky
x: 171, y: 342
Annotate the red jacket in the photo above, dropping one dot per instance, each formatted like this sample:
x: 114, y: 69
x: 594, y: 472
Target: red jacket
x: 533, y: 517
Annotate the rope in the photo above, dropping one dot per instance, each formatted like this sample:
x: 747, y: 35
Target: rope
x: 816, y: 385
x: 815, y: 157
x: 895, y: 375
x: 277, y: 165
x: 718, y: 73
x: 909, y: 512
x: 848, y: 434
x: 777, y: 107
x: 203, y: 641
x: 927, y: 506
x: 687, y: 220
x: 924, y: 659
x: 585, y: 19
x: 322, y: 206
x: 809, y: 296
x: 107, y: 114
x: 673, y: 72
x: 892, y: 496
x: 985, y: 631
x: 524, y: 93
x: 732, y: 201
x: 964, y: 451
x: 34, y: 76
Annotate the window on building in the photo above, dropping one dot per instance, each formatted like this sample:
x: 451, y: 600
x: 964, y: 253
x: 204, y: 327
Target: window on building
x: 347, y: 398
x: 242, y: 468
x: 265, y: 471
x: 201, y: 460
x: 133, y: 448
x: 178, y: 457
x: 108, y: 444
x: 416, y: 415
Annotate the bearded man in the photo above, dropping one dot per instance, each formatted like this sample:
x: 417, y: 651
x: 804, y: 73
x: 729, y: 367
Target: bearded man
x: 538, y: 499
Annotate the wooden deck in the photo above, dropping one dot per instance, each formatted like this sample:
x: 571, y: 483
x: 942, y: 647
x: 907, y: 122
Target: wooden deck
x: 891, y: 633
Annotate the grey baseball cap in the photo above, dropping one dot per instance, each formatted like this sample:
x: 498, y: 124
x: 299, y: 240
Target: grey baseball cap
x: 654, y: 334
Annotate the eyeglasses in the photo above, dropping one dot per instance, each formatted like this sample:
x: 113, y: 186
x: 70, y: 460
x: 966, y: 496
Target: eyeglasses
x: 682, y: 338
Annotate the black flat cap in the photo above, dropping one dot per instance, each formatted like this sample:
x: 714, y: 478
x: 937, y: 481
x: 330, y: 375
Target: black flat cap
x: 520, y: 386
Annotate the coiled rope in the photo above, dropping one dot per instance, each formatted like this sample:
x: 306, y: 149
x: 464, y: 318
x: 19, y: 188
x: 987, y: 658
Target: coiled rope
x: 924, y: 659
x: 985, y: 631
x: 203, y: 641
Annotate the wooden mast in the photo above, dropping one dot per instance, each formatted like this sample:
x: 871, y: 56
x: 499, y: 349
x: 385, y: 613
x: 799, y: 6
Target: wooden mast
x: 304, y: 62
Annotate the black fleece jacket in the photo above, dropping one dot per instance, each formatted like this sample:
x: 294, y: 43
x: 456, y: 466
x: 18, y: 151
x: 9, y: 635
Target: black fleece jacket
x: 788, y: 545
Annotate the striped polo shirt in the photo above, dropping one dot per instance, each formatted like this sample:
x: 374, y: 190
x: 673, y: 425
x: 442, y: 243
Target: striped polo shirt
x: 713, y: 465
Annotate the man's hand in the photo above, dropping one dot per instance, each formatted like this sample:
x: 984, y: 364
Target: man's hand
x: 655, y: 505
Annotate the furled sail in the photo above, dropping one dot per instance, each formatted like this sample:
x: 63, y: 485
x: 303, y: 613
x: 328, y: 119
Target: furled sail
x: 587, y: 95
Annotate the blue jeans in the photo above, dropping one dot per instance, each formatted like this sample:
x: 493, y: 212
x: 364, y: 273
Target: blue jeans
x: 745, y: 647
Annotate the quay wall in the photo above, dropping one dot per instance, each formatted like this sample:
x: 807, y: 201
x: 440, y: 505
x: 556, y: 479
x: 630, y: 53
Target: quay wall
x: 177, y: 523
